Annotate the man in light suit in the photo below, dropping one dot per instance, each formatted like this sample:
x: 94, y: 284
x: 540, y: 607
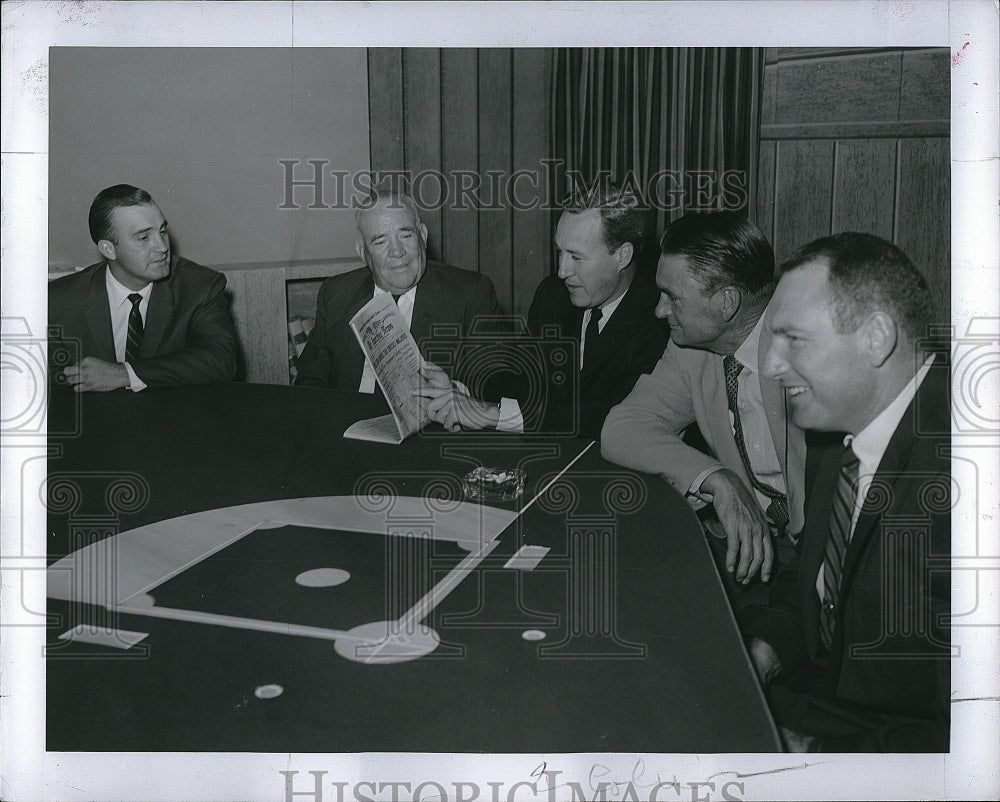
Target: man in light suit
x: 392, y: 241
x: 855, y: 645
x: 600, y: 303
x: 143, y: 317
x: 715, y: 275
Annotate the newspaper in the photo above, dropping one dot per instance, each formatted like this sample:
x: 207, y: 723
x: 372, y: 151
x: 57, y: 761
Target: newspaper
x: 387, y: 343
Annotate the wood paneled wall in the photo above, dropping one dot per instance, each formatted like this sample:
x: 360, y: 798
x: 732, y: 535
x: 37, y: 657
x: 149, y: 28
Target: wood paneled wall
x: 858, y: 139
x: 467, y: 114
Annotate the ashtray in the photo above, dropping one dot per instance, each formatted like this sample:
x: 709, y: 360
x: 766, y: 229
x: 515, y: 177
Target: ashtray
x: 494, y: 484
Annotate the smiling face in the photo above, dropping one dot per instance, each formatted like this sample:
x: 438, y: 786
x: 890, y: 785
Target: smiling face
x: 141, y: 250
x: 693, y: 315
x: 393, y: 243
x: 829, y: 377
x: 591, y: 273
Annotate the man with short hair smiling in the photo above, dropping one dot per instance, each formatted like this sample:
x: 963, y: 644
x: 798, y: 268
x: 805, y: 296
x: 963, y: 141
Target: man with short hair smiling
x: 715, y: 275
x: 855, y: 647
x: 392, y: 241
x: 144, y: 317
x: 601, y: 300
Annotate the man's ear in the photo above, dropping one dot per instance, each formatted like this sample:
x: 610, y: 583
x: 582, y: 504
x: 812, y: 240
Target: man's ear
x: 107, y: 249
x: 880, y: 337
x: 623, y: 255
x: 727, y: 301
x: 359, y: 248
x: 423, y: 233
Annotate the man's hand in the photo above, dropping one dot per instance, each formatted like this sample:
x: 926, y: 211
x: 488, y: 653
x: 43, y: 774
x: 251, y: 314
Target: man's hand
x: 432, y: 376
x: 448, y: 404
x: 766, y: 662
x: 91, y: 374
x: 747, y: 532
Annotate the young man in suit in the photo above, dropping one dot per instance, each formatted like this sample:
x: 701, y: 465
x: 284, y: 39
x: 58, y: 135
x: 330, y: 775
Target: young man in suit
x: 601, y: 301
x: 715, y: 275
x: 392, y: 241
x: 144, y: 317
x: 855, y: 645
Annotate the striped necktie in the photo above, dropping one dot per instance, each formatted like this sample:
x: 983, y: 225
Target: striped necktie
x: 134, y: 342
x: 777, y: 510
x: 836, y: 545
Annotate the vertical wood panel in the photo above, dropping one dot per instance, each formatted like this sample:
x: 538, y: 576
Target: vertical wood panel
x: 422, y: 151
x: 532, y: 250
x: 495, y: 154
x: 923, y: 213
x: 459, y: 151
x: 765, y: 189
x: 260, y: 315
x: 864, y: 186
x: 803, y: 194
x: 385, y: 107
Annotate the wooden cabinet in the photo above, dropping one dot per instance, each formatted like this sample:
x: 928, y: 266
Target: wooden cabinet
x: 259, y: 293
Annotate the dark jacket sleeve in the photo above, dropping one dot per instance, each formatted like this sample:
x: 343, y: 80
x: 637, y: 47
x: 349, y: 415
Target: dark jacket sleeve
x: 314, y: 363
x: 210, y: 347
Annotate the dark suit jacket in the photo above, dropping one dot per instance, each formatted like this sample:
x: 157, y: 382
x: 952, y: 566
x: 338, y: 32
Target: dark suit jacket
x: 885, y: 684
x: 448, y: 302
x: 630, y: 344
x: 188, y: 336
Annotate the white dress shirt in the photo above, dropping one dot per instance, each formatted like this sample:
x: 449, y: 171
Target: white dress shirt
x: 753, y: 418
x: 869, y: 447
x: 121, y: 308
x: 607, y: 310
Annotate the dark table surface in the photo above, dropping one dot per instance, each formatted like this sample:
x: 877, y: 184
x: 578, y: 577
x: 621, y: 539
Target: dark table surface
x: 640, y: 650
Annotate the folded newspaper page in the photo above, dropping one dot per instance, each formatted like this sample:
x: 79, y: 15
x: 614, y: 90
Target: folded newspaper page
x: 386, y: 341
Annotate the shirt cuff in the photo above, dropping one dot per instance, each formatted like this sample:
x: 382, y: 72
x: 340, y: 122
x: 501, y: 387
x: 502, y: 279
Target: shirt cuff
x: 695, y: 489
x: 511, y: 419
x: 135, y: 384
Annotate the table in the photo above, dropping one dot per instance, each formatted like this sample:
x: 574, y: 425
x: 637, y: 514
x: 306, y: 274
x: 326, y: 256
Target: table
x: 618, y: 640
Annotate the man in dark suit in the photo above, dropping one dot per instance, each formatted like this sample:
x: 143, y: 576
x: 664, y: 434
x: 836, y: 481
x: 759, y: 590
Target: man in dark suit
x: 393, y: 244
x: 716, y: 274
x: 601, y: 301
x: 855, y: 645
x: 143, y: 317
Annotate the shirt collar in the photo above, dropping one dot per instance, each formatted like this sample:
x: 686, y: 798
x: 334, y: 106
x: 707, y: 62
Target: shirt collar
x: 608, y: 309
x: 118, y: 293
x: 747, y: 353
x: 871, y: 442
x: 410, y: 294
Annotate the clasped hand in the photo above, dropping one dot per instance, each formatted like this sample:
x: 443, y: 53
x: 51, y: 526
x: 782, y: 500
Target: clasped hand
x: 91, y: 374
x: 449, y: 404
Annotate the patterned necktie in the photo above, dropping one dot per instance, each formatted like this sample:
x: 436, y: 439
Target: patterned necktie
x: 591, y: 335
x: 134, y: 341
x: 836, y: 546
x: 777, y: 510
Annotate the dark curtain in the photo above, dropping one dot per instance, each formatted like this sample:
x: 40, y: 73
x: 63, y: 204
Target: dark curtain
x: 641, y: 111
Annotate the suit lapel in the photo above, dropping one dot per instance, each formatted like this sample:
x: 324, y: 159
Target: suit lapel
x: 426, y: 305
x: 159, y: 313
x: 355, y: 357
x: 98, y: 313
x: 616, y: 331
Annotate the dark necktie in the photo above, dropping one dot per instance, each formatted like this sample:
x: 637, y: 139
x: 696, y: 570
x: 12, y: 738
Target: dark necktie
x: 836, y: 546
x: 777, y: 510
x: 134, y: 341
x: 592, y: 334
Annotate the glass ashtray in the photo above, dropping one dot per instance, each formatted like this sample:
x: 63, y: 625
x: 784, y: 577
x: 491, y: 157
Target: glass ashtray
x: 494, y: 484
